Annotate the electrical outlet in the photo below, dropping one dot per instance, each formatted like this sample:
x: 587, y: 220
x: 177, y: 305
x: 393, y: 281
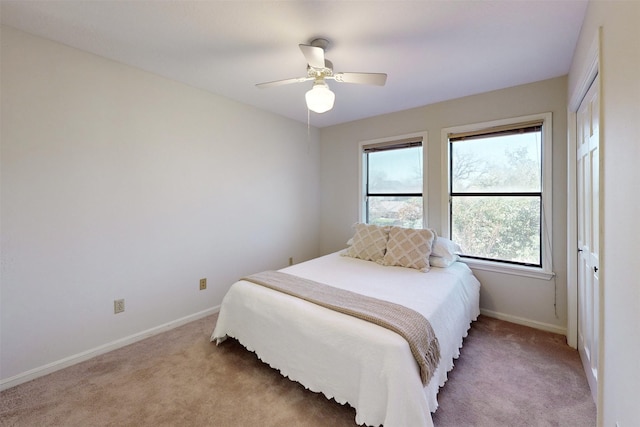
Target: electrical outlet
x: 203, y: 284
x: 118, y: 306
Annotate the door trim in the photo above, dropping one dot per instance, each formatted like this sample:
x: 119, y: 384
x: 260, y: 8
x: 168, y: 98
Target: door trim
x: 589, y: 72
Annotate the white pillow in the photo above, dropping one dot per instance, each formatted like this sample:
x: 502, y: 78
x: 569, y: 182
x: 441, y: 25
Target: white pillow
x: 438, y: 261
x: 444, y: 252
x: 445, y: 248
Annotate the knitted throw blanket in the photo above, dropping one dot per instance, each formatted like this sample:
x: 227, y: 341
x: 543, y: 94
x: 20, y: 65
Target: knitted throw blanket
x: 408, y: 323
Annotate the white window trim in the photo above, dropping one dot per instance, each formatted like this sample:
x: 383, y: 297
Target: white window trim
x: 362, y: 172
x: 546, y: 272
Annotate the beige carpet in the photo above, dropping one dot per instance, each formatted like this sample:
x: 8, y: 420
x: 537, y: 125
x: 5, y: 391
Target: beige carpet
x: 507, y: 375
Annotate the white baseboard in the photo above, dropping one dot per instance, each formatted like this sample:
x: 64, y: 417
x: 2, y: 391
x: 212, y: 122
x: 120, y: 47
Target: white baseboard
x: 526, y: 322
x: 86, y: 355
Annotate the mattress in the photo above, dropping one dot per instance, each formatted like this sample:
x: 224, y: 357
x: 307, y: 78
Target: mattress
x: 349, y: 359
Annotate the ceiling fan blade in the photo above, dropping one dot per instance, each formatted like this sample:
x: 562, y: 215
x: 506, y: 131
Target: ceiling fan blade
x: 314, y: 55
x: 283, y: 82
x: 378, y: 79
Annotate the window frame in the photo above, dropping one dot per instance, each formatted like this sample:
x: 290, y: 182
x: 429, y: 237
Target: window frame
x: 546, y: 235
x: 363, y: 167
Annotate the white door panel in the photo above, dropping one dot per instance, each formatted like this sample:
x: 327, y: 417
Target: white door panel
x: 588, y: 212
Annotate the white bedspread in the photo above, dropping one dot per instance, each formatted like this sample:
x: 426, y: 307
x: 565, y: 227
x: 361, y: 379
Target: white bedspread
x: 348, y: 359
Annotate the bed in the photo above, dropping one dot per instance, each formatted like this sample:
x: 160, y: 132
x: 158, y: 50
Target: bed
x: 349, y: 359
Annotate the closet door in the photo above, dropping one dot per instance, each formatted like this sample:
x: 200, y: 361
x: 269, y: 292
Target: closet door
x: 588, y: 211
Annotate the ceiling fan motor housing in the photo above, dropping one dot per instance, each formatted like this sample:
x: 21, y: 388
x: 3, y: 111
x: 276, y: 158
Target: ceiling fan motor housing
x: 321, y: 43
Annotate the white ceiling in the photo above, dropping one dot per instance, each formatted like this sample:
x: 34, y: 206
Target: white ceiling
x: 431, y: 50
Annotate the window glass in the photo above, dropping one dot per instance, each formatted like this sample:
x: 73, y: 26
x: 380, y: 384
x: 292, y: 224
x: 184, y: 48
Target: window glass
x: 399, y: 211
x: 496, y: 195
x: 498, y: 228
x: 393, y: 185
x: 395, y: 171
x: 497, y: 164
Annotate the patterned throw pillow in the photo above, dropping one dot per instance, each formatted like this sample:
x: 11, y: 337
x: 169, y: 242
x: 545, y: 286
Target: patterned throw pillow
x: 369, y: 242
x: 410, y: 248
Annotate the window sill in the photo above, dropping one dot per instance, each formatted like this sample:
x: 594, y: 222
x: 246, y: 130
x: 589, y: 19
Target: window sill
x: 516, y: 270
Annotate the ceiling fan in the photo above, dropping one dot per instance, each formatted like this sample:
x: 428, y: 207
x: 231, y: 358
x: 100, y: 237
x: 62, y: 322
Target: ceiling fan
x: 320, y: 98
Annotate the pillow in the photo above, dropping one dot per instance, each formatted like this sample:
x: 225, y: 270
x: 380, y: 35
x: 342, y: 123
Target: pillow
x: 445, y: 248
x: 369, y: 242
x: 409, y: 248
x: 438, y: 261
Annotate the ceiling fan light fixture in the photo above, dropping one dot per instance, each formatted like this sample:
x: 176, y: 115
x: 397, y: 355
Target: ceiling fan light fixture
x: 320, y: 99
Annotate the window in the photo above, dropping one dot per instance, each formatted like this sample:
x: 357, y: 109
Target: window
x: 499, y: 190
x: 392, y: 182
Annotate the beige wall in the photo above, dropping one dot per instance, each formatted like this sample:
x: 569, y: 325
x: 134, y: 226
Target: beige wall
x: 517, y: 298
x: 619, y: 60
x: 117, y: 183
